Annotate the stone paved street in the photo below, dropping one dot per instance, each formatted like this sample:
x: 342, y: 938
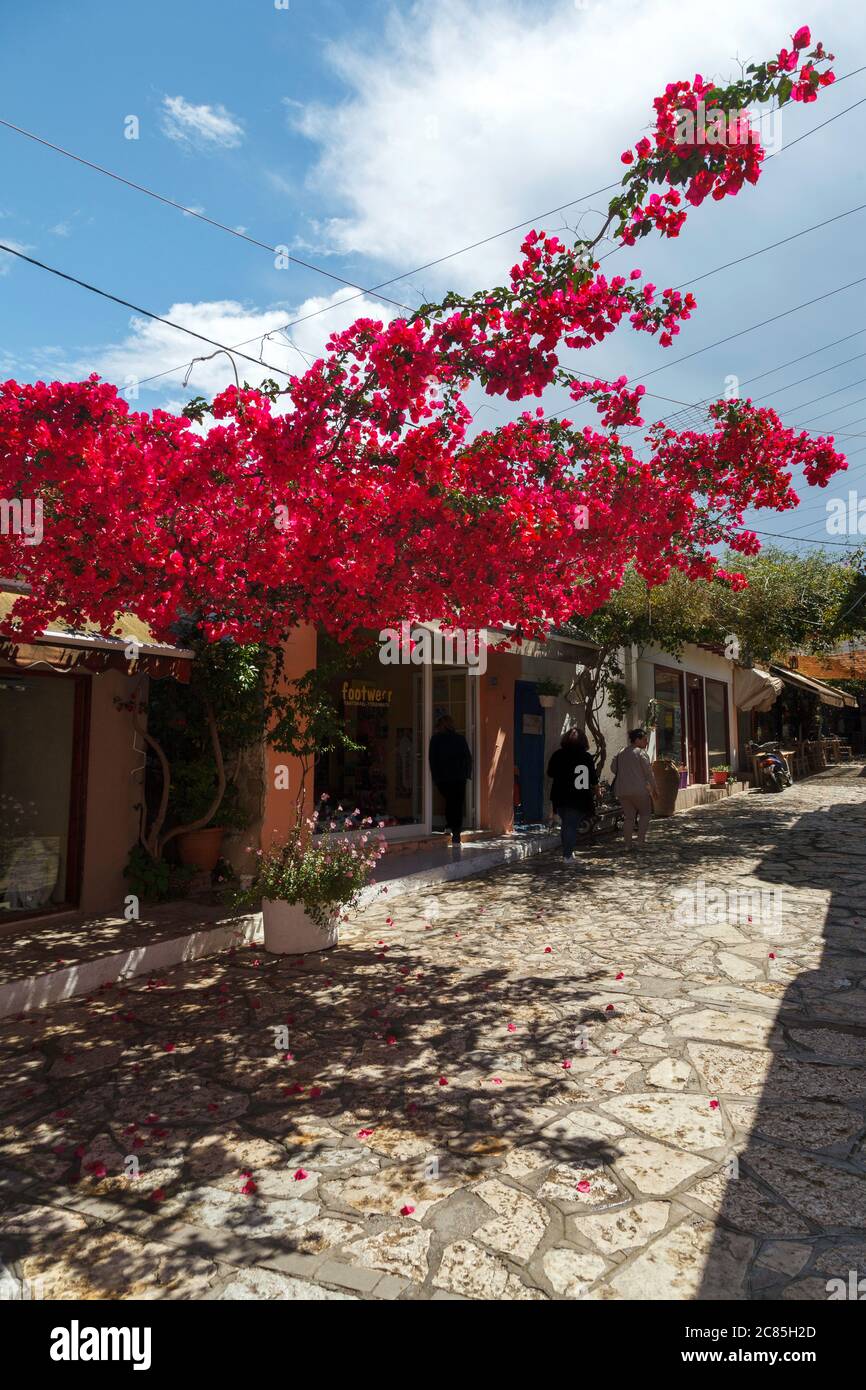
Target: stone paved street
x: 545, y: 1083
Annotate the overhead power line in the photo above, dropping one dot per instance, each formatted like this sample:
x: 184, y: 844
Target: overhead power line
x: 136, y: 308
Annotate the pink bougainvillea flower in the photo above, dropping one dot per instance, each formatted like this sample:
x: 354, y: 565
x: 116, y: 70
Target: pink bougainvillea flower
x: 390, y: 1040
x: 169, y: 1047
x: 407, y: 1210
x: 609, y: 1009
x: 497, y: 1080
x: 97, y: 1168
x: 365, y: 1133
x: 621, y: 975
x: 548, y: 950
x: 583, y: 1185
x: 772, y: 955
x: 714, y: 1105
x: 158, y: 1194
x: 315, y: 1092
x: 443, y: 1081
x: 300, y: 1174
x: 566, y: 1065
x: 249, y: 1187
x: 512, y: 1027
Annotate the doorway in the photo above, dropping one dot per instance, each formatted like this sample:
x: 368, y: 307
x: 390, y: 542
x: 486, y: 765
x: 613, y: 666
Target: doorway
x: 454, y: 694
x: 528, y: 754
x: 697, y: 730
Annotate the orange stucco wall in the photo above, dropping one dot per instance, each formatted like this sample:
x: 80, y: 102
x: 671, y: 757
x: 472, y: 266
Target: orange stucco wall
x: 114, y: 786
x: 280, y: 803
x: 496, y: 742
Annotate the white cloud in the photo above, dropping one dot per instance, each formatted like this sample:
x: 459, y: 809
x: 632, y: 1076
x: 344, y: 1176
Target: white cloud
x: 7, y: 261
x: 471, y: 115
x: 151, y: 348
x: 208, y: 127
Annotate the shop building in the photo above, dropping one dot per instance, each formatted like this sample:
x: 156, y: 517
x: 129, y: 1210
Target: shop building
x: 71, y: 766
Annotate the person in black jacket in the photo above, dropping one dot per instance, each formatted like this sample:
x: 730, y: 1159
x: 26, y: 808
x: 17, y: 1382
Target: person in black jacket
x: 574, y: 782
x: 451, y: 766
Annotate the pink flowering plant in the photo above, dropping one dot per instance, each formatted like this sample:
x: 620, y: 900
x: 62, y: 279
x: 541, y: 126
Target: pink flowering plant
x: 318, y: 866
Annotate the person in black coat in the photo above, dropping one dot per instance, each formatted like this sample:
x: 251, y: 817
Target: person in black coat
x: 451, y: 767
x: 573, y: 791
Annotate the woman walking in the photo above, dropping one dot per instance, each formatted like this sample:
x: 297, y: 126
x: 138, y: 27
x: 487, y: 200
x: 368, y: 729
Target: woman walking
x: 572, y: 793
x: 635, y: 786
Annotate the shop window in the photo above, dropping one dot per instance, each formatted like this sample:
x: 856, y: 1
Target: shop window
x: 381, y: 709
x: 669, y: 706
x: 38, y: 718
x: 717, y: 723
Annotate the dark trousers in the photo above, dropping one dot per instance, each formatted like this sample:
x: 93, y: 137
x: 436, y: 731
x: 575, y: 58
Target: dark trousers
x: 455, y: 797
x: 569, y: 816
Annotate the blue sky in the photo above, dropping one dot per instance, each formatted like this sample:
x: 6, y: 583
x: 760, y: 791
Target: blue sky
x: 371, y: 138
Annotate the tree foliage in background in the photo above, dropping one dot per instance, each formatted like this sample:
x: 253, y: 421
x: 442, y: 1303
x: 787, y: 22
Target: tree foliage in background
x: 792, y: 602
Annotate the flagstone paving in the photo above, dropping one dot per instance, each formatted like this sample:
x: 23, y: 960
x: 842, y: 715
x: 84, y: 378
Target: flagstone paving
x: 545, y: 1083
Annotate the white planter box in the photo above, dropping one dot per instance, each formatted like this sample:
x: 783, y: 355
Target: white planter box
x: 290, y: 932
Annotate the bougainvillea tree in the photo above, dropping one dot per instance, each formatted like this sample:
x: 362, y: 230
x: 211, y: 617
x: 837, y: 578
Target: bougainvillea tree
x: 360, y: 493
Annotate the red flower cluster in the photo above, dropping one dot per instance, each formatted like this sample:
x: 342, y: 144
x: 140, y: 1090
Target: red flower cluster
x: 705, y: 141
x: 360, y: 496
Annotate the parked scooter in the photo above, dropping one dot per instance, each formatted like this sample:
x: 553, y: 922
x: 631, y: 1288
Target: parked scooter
x: 773, y: 767
x: 606, y: 816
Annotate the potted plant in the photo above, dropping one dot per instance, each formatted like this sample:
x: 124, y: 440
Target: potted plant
x: 720, y: 774
x: 548, y: 692
x: 194, y: 786
x: 667, y: 775
x: 307, y: 885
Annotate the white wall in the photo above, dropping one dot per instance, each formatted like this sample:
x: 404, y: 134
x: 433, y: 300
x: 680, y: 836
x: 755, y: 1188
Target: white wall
x: 694, y: 661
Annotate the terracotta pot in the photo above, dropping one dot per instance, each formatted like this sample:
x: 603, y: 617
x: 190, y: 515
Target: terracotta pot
x: 667, y: 776
x: 547, y: 701
x: 200, y: 849
x: 290, y: 932
x: 720, y: 779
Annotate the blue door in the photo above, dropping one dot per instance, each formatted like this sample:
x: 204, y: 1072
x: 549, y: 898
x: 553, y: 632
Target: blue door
x: 528, y: 753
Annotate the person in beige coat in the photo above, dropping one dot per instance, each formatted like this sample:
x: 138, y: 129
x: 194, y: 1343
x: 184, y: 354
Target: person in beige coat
x: 635, y: 786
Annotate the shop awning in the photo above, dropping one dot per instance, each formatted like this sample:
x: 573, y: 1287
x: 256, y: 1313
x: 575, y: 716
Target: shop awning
x: 837, y: 699
x: 755, y: 689
x: 130, y: 649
